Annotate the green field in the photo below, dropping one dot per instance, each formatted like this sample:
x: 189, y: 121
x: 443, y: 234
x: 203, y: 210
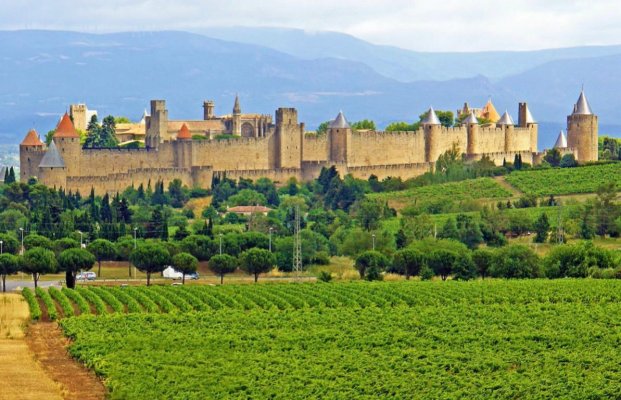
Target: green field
x: 479, y: 339
x: 471, y: 189
x: 559, y: 181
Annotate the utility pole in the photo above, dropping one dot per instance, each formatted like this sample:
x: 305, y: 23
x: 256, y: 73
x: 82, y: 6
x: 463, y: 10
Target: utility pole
x: 559, y: 224
x: 297, y: 244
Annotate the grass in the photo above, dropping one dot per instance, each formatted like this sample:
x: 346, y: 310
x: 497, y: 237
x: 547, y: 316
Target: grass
x: 471, y: 189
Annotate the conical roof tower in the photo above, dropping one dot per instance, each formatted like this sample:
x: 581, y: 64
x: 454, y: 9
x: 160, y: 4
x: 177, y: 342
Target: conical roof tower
x: 505, y: 119
x: 561, y: 141
x: 52, y: 158
x: 340, y: 122
x: 431, y: 118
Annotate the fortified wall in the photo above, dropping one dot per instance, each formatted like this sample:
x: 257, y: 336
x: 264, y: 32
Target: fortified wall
x: 282, y: 150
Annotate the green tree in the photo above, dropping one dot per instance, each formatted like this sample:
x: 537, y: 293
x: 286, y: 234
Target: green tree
x: 9, y: 265
x: 363, y: 125
x: 408, y: 262
x: 568, y: 161
x: 553, y: 157
x: 515, y: 261
x: 74, y: 260
x: 185, y: 263
x: 247, y: 197
x: 371, y: 262
x: 63, y: 244
x: 222, y: 264
x: 368, y: 212
x: 401, y: 127
x: 442, y: 262
x: 449, y: 230
x: 464, y: 268
x: 256, y: 261
x: 38, y: 261
x: 483, y: 259
x: 9, y: 243
x: 606, y: 211
x: 323, y: 128
x: 102, y: 249
x: 447, y: 118
x: 34, y: 240
x: 542, y: 226
x: 149, y: 258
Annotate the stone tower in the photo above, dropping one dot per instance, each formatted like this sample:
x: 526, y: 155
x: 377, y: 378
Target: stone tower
x: 582, y: 130
x: 289, y: 138
x: 67, y: 141
x: 78, y: 115
x: 339, y: 138
x: 472, y: 125
x: 432, y: 128
x: 208, y: 110
x: 236, y: 129
x: 30, y: 154
x: 183, y: 148
x: 526, y: 120
x: 506, y: 122
x: 157, y: 124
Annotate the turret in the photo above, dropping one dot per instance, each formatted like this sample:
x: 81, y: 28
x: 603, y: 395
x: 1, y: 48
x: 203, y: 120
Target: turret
x: 236, y: 117
x: 582, y: 130
x: 288, y: 135
x: 339, y: 137
x: 67, y: 141
x: 53, y: 169
x: 506, y: 122
x: 472, y: 126
x: 526, y: 120
x: 157, y: 124
x: 183, y: 148
x: 432, y: 128
x: 30, y: 154
x: 208, y: 109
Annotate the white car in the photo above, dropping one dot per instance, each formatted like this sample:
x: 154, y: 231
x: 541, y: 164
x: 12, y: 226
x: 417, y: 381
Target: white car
x: 86, y: 276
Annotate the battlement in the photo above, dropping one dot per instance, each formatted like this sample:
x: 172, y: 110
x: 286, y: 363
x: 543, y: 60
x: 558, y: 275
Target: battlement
x: 286, y: 116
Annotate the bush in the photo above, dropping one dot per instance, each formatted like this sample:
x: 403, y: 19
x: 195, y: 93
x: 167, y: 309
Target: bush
x: 426, y: 273
x: 324, y: 276
x: 515, y: 261
x: 33, y: 304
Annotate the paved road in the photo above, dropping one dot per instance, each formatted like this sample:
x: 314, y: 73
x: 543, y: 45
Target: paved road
x: 13, y: 285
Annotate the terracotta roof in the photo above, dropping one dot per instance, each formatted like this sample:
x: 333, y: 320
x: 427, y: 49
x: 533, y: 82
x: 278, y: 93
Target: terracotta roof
x: 489, y: 112
x: 184, y: 133
x: 249, y: 209
x: 65, y: 128
x: 32, y: 139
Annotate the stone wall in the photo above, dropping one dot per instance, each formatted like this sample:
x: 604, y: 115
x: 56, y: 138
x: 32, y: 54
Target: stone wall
x: 379, y: 148
x: 315, y: 148
x: 102, y: 162
x: 235, y: 154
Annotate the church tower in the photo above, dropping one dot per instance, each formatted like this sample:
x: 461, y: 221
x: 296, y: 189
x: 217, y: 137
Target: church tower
x: 236, y: 130
x: 582, y: 130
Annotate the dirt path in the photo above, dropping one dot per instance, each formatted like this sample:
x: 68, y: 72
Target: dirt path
x: 23, y: 377
x: 503, y: 182
x: 47, y: 342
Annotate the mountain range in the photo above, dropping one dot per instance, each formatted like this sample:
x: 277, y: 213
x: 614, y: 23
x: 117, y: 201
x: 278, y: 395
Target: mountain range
x: 42, y: 72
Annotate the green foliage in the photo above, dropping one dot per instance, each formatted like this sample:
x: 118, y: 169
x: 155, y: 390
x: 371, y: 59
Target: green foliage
x: 442, y: 262
x: 515, y: 261
x: 33, y: 304
x: 78, y: 300
x: 9, y: 265
x: 402, y: 127
x: 122, y: 120
x: 101, y: 136
x: 150, y: 258
x: 62, y: 300
x: 323, y: 128
x: 102, y: 249
x: 38, y: 261
x: 34, y: 240
x: 542, y: 227
x: 576, y: 260
x: 365, y: 124
x: 257, y: 261
x: 324, y: 276
x: 74, y: 260
x: 185, y: 263
x: 553, y: 157
x: 49, y: 303
x: 408, y: 262
x: 222, y: 264
x: 371, y: 264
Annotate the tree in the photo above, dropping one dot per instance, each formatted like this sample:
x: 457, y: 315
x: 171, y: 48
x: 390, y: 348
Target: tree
x: 542, y: 226
x: 102, y: 249
x: 34, y: 240
x: 185, y: 263
x: 222, y: 264
x: 149, y: 258
x: 442, y: 262
x: 368, y: 213
x: 74, y: 260
x: 365, y: 124
x: 483, y: 260
x: 606, y: 211
x: 515, y: 261
x: 568, y: 161
x: 9, y: 265
x: 9, y: 243
x: 257, y: 261
x: 464, y: 268
x: 38, y: 261
x: 63, y: 244
x: 449, y: 230
x: 401, y: 127
x: 553, y: 157
x: 370, y: 261
x: 408, y: 262
x: 323, y: 128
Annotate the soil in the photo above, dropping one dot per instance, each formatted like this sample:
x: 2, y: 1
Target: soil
x: 48, y: 344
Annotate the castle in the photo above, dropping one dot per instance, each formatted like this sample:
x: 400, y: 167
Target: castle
x: 258, y: 147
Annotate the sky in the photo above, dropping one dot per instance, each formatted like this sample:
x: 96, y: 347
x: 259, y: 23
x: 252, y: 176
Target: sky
x: 424, y: 25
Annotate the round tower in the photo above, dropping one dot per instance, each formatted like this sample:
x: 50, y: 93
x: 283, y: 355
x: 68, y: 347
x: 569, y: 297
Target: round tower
x: 506, y: 122
x: 472, y: 126
x: 30, y: 154
x: 339, y: 133
x: 582, y: 130
x: 432, y: 128
x: 236, y: 129
x: 67, y: 141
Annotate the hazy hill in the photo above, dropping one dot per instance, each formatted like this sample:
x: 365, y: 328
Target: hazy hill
x: 43, y: 72
x: 401, y: 64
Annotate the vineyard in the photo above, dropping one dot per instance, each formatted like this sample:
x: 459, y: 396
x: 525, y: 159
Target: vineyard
x: 480, y: 339
x: 471, y: 189
x: 560, y: 181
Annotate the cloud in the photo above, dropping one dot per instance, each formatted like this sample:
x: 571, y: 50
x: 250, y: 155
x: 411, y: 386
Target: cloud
x: 446, y: 25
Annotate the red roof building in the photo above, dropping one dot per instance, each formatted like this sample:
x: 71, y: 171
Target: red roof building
x: 65, y: 128
x: 184, y: 133
x: 32, y: 139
